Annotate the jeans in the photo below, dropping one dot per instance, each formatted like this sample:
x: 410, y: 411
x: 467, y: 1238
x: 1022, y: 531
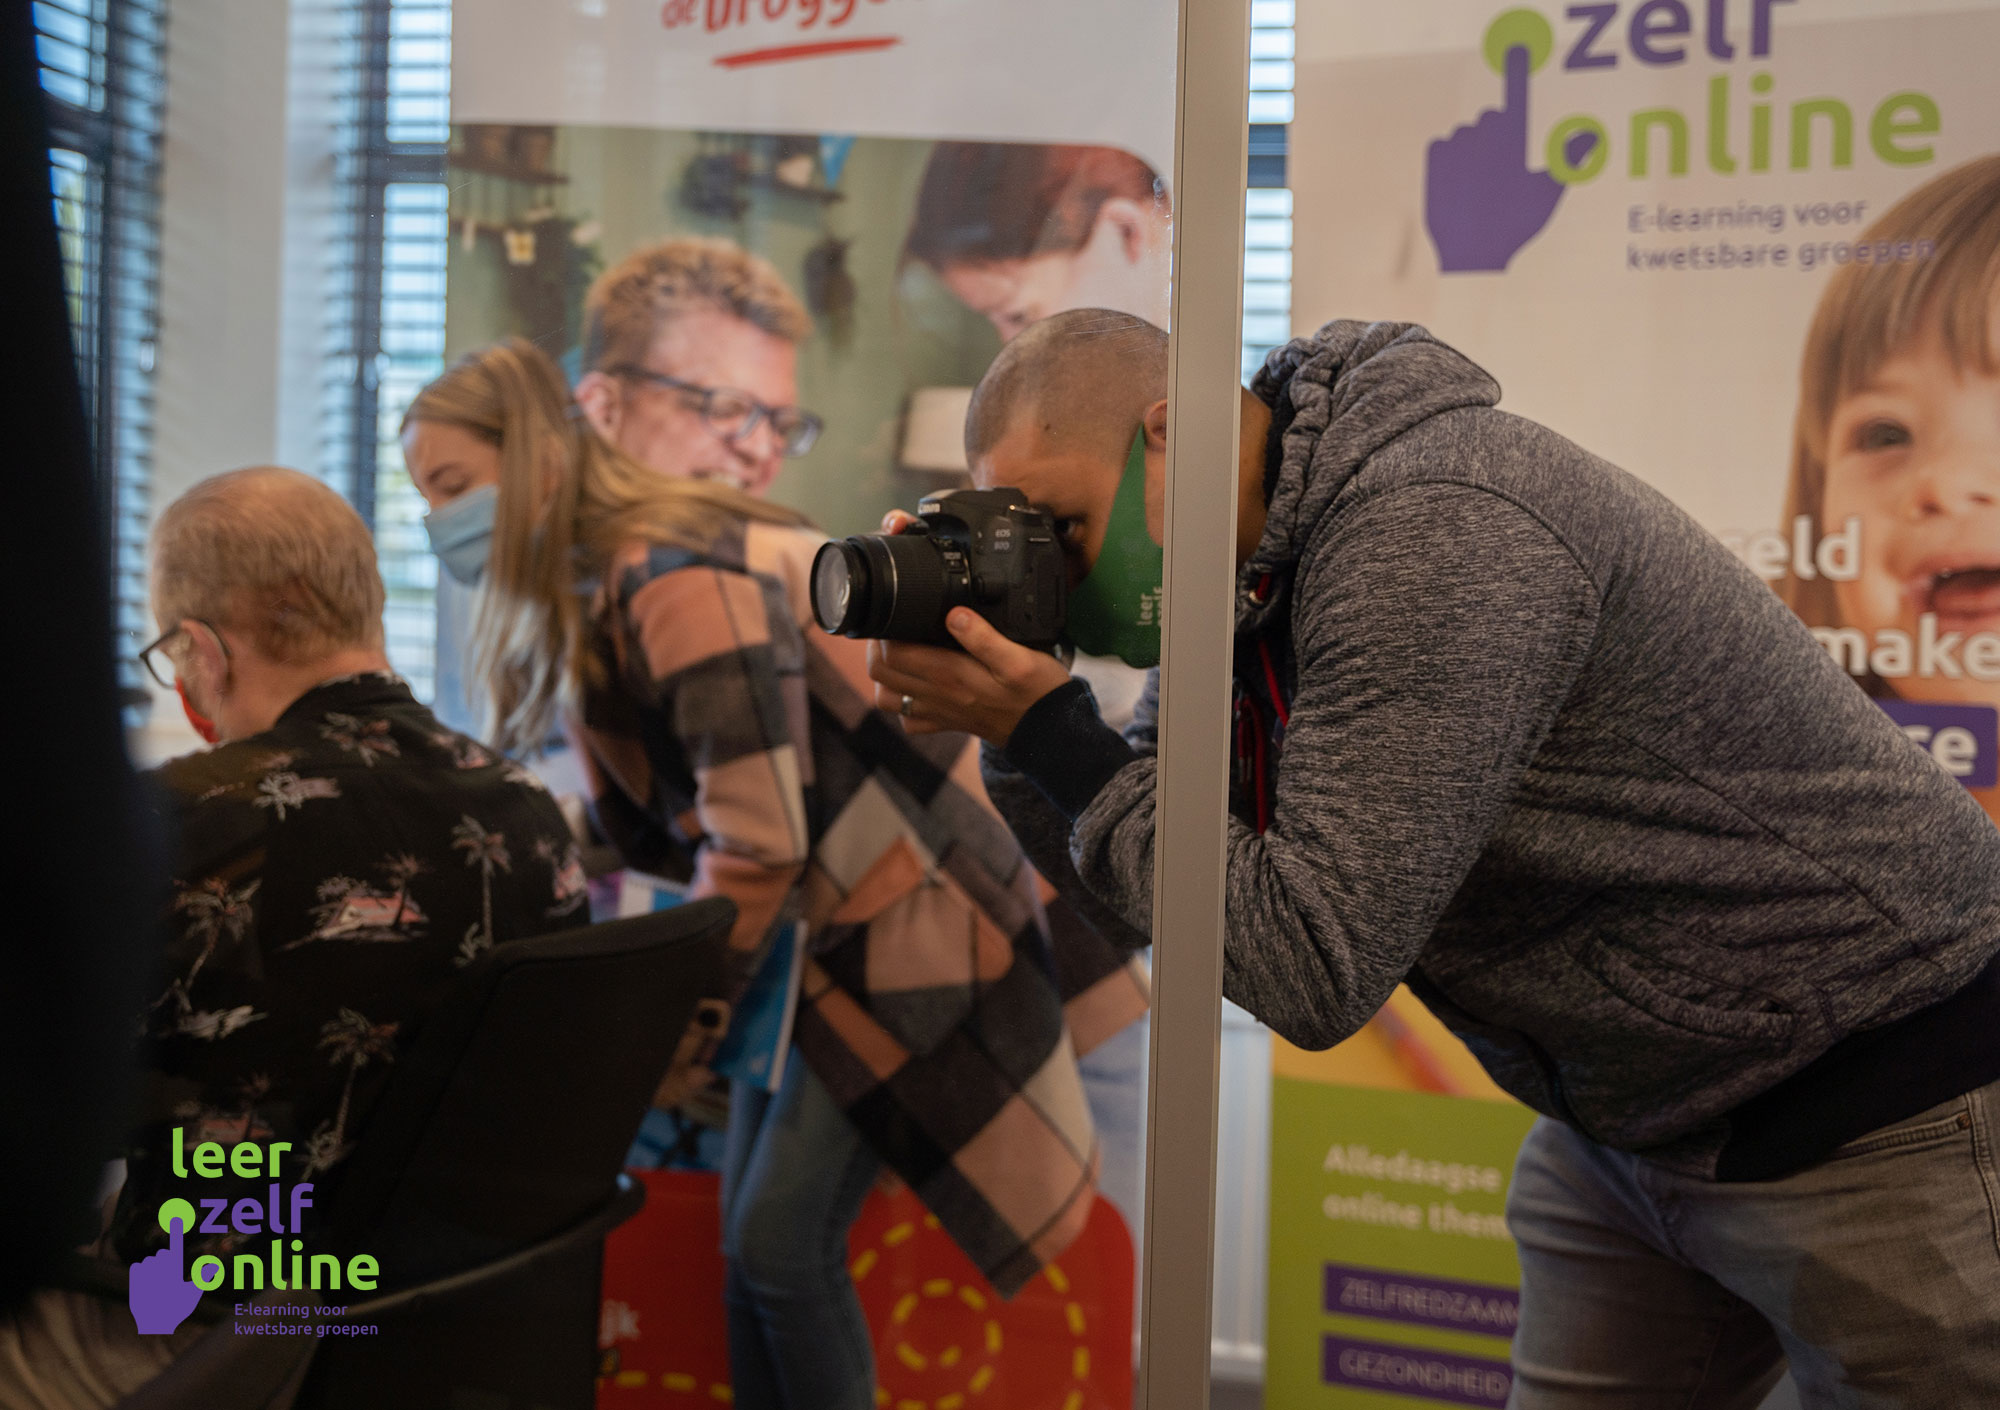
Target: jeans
x: 794, y: 1173
x: 1114, y: 1083
x: 1876, y: 1274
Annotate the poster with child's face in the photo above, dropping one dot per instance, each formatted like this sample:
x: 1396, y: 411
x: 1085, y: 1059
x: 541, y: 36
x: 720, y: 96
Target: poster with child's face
x: 1748, y: 250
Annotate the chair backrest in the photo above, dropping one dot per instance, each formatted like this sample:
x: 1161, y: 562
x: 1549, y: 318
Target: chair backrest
x: 509, y: 1116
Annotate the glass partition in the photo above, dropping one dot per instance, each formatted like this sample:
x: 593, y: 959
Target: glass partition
x: 830, y: 262
x: 779, y: 330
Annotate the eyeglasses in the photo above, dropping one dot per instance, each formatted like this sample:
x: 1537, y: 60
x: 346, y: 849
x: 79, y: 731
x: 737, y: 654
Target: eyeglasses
x: 735, y: 415
x: 154, y: 653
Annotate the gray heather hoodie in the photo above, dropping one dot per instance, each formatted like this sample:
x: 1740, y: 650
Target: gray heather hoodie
x: 1555, y: 757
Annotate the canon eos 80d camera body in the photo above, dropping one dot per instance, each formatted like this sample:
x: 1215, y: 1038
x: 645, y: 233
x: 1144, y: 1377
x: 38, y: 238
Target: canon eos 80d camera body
x: 989, y: 550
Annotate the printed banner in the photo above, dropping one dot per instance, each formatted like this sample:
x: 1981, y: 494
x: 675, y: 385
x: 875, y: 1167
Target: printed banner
x: 912, y: 182
x: 777, y: 243
x: 875, y: 274
x: 1748, y: 250
x: 1019, y: 71
x: 1392, y: 1274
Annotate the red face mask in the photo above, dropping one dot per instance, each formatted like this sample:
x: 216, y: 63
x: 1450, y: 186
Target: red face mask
x: 203, y: 725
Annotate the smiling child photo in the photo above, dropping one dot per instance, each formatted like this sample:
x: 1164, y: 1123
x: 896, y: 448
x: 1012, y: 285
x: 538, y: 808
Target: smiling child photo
x: 1899, y: 427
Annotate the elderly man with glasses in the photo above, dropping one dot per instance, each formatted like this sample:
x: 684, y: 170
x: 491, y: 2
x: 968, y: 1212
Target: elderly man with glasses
x: 337, y: 857
x: 690, y: 356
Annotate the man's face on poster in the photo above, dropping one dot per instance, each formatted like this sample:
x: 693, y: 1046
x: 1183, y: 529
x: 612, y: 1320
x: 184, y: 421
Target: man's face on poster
x: 718, y: 360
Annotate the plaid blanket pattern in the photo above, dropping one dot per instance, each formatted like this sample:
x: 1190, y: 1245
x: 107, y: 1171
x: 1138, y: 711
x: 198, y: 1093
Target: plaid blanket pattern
x: 736, y: 745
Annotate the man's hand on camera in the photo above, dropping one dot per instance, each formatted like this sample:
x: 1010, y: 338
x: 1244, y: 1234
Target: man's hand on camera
x: 983, y: 690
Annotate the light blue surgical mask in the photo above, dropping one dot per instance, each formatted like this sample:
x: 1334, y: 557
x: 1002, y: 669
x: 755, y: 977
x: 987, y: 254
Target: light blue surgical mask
x: 461, y: 533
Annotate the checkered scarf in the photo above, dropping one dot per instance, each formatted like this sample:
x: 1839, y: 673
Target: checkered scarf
x: 948, y: 992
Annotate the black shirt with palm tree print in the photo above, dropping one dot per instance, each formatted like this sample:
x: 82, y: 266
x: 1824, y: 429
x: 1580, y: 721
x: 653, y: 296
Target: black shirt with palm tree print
x: 331, y: 877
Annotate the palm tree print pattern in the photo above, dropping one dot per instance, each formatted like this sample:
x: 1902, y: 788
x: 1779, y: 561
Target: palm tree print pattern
x: 212, y: 1024
x: 285, y: 791
x: 566, y: 874
x: 354, y: 1042
x: 354, y: 910
x: 486, y: 850
x: 368, y: 740
x: 216, y: 916
x: 464, y: 753
x: 328, y: 870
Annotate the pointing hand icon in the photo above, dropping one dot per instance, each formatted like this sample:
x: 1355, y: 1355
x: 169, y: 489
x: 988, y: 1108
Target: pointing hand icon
x: 158, y: 1291
x: 1482, y: 202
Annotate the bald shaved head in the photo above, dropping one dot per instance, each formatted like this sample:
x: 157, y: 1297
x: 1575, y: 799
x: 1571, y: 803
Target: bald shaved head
x: 1065, y: 406
x: 1086, y: 378
x: 274, y: 554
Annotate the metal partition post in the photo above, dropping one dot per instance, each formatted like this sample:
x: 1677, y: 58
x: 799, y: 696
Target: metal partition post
x: 1192, y: 802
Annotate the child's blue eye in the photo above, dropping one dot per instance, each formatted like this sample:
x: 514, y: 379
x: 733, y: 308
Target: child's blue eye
x: 1881, y: 434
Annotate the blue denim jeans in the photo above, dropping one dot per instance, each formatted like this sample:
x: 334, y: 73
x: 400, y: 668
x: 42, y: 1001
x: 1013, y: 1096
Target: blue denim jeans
x: 1114, y: 1083
x: 794, y: 1173
x: 1875, y: 1274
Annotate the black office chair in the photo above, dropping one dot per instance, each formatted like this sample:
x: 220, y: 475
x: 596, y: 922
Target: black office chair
x: 484, y: 1184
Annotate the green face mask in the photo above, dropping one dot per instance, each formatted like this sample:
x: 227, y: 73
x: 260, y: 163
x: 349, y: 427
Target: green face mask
x: 1115, y: 610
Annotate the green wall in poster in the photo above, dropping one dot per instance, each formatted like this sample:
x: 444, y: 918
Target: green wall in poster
x: 1391, y: 1272
x: 622, y: 188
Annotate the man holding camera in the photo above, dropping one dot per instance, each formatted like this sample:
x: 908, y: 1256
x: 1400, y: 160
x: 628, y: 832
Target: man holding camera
x: 1515, y: 730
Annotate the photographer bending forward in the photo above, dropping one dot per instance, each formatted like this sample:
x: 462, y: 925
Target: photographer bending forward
x: 1511, y: 727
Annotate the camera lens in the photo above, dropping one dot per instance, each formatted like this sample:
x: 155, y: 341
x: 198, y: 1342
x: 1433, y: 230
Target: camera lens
x: 839, y: 578
x: 889, y: 586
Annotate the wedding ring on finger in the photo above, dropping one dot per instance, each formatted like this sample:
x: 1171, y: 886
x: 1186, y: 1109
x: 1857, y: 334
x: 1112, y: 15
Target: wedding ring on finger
x: 905, y: 708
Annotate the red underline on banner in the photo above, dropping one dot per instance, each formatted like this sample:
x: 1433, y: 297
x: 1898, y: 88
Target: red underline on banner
x: 803, y: 51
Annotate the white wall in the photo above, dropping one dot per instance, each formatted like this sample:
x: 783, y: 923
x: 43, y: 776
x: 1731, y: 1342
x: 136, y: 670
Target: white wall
x: 222, y: 231
x: 246, y: 211
x: 1242, y: 1198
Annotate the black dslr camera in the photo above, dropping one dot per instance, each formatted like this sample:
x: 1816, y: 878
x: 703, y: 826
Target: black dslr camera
x: 984, y: 549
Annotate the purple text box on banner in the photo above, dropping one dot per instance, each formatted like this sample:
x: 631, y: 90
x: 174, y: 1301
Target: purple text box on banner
x: 1423, y: 1301
x: 1964, y: 739
x: 1410, y: 1370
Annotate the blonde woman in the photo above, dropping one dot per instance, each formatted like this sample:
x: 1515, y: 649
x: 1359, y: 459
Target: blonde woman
x: 730, y: 741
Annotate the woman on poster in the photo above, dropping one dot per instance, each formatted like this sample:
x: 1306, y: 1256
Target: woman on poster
x: 1020, y: 231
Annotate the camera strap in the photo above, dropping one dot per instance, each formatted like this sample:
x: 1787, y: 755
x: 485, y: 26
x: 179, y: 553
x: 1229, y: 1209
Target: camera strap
x: 1256, y: 737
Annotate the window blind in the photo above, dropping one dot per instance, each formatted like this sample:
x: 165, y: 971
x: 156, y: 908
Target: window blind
x: 102, y: 66
x: 1267, y: 232
x: 387, y: 284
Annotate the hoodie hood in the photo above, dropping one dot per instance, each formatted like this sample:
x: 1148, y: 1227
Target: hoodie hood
x: 1353, y: 388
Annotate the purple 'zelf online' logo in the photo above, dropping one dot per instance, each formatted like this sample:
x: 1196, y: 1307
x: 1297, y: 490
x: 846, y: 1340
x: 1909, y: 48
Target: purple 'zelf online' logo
x: 1482, y: 201
x: 158, y: 1291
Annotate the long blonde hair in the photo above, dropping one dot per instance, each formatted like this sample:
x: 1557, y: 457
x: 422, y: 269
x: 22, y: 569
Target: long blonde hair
x: 568, y: 500
x: 1870, y: 312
